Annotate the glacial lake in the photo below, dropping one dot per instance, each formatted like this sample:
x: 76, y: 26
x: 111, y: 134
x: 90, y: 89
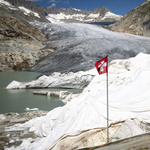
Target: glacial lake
x: 17, y: 100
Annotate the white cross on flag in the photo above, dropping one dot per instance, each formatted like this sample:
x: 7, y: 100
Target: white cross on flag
x: 102, y: 65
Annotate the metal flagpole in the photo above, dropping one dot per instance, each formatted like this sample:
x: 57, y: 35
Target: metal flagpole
x: 107, y: 107
x: 100, y: 66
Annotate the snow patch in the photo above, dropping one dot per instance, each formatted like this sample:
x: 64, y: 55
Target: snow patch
x: 28, y: 12
x: 31, y: 109
x: 112, y: 15
x: 93, y: 15
x: 2, y: 117
x: 77, y: 9
x: 56, y: 18
x: 2, y: 2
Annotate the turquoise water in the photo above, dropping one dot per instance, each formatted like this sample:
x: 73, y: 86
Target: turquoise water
x: 18, y: 99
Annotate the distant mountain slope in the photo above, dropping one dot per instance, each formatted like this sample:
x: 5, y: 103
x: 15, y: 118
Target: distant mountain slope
x: 20, y: 43
x: 24, y: 10
x: 28, y: 11
x: 76, y: 15
x: 12, y: 28
x: 137, y: 21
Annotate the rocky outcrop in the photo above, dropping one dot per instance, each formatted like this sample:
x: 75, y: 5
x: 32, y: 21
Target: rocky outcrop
x: 12, y: 27
x: 20, y: 43
x: 22, y: 59
x: 136, y: 21
x: 9, y: 138
x: 25, y: 10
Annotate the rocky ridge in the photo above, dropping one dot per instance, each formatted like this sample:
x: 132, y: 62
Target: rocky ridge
x: 8, y: 138
x: 20, y: 43
x: 28, y: 11
x: 71, y: 15
x: 136, y: 21
x: 25, y: 10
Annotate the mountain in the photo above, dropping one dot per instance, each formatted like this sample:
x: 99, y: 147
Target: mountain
x: 24, y: 10
x: 20, y: 43
x: 28, y: 11
x: 136, y: 21
x: 75, y: 15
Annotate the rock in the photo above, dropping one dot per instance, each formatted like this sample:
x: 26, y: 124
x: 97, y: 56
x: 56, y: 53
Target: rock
x: 14, y: 138
x: 28, y: 11
x: 12, y: 27
x: 25, y: 10
x: 140, y: 142
x: 89, y: 138
x: 135, y: 21
x: 20, y: 43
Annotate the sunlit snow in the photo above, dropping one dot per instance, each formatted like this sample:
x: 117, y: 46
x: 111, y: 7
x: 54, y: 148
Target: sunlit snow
x: 2, y: 2
x: 112, y: 15
x: 77, y: 9
x: 55, y: 18
x: 94, y: 15
x: 28, y: 12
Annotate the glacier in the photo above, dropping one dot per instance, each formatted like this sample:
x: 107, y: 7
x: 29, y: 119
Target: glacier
x: 129, y: 88
x: 79, y: 46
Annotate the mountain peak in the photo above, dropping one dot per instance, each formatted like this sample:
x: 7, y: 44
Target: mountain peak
x: 28, y: 11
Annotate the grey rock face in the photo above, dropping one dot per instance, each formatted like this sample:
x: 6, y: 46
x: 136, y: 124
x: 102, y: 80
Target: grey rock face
x: 29, y: 5
x: 20, y: 43
x: 8, y: 138
x: 79, y: 46
x: 136, y: 21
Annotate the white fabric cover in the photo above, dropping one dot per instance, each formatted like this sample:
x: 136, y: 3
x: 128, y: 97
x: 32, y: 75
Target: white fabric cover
x: 129, y: 97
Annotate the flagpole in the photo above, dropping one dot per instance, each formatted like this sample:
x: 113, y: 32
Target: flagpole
x: 102, y: 67
x: 107, y: 108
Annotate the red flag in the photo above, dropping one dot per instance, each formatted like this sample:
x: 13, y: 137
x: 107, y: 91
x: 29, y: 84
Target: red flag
x: 102, y: 65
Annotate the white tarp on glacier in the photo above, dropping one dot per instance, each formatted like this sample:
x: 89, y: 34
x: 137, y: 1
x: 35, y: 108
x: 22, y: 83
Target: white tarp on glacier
x: 129, y: 97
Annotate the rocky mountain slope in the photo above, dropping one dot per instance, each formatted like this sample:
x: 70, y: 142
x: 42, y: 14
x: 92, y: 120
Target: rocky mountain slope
x: 24, y: 10
x: 20, y: 43
x: 136, y: 21
x: 28, y: 11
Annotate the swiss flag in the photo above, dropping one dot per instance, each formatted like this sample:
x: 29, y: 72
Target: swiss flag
x: 102, y: 65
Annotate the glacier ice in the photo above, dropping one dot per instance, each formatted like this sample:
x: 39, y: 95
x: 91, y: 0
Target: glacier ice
x: 79, y: 46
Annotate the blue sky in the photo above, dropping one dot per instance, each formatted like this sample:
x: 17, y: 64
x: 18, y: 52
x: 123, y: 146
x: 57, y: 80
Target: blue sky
x: 120, y: 7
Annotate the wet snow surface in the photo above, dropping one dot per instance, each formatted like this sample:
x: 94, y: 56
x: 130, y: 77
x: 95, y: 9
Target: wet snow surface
x: 79, y: 46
